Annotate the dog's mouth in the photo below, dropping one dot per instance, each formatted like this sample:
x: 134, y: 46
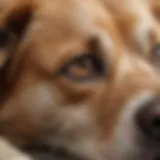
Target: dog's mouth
x: 47, y: 153
x: 64, y: 154
x: 59, y: 153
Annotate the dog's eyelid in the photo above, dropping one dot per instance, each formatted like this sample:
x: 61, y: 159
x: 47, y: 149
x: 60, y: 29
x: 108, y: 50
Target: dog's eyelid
x: 87, y: 65
x: 96, y: 48
x: 94, y: 45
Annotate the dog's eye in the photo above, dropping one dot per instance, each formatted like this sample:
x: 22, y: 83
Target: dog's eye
x: 156, y: 51
x: 87, y: 67
x: 155, y: 55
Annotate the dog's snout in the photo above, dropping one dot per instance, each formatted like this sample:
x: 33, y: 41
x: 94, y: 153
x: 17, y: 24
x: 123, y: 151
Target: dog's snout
x: 148, y: 119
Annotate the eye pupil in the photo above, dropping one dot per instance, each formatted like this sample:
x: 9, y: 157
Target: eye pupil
x: 86, y: 62
x: 86, y: 67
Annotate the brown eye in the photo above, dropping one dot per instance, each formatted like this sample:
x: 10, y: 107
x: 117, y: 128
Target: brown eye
x: 87, y: 67
x: 156, y: 50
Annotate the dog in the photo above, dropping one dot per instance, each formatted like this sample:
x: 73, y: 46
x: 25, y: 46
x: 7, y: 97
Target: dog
x: 76, y: 84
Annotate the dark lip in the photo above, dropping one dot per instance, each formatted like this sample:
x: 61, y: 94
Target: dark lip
x: 157, y: 158
x: 48, y: 153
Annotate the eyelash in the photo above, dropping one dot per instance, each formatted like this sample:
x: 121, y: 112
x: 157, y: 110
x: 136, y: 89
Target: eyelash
x: 95, y: 70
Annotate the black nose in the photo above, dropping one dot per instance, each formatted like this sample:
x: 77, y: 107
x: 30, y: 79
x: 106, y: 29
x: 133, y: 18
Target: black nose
x: 148, y: 119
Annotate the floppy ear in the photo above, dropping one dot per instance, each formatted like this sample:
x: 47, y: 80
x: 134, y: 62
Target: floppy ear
x: 15, y: 16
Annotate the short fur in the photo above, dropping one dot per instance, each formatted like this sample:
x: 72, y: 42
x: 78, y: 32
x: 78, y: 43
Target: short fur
x: 93, y: 119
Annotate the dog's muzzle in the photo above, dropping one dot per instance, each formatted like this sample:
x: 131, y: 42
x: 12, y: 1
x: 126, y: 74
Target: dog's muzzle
x: 148, y: 119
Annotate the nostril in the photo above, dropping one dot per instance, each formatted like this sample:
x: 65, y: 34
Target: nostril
x: 156, y: 123
x: 155, y: 127
x: 148, y: 119
x: 156, y: 158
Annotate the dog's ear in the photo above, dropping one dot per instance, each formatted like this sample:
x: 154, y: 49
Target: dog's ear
x: 15, y: 16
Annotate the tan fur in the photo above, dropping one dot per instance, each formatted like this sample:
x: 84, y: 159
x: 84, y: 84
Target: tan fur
x: 9, y: 152
x: 85, y: 117
x: 137, y: 24
x: 154, y: 5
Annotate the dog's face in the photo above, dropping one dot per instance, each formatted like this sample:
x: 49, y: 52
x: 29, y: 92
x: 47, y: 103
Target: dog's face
x: 75, y: 85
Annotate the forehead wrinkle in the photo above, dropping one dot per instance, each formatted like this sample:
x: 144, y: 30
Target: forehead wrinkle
x: 81, y: 20
x: 77, y: 16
